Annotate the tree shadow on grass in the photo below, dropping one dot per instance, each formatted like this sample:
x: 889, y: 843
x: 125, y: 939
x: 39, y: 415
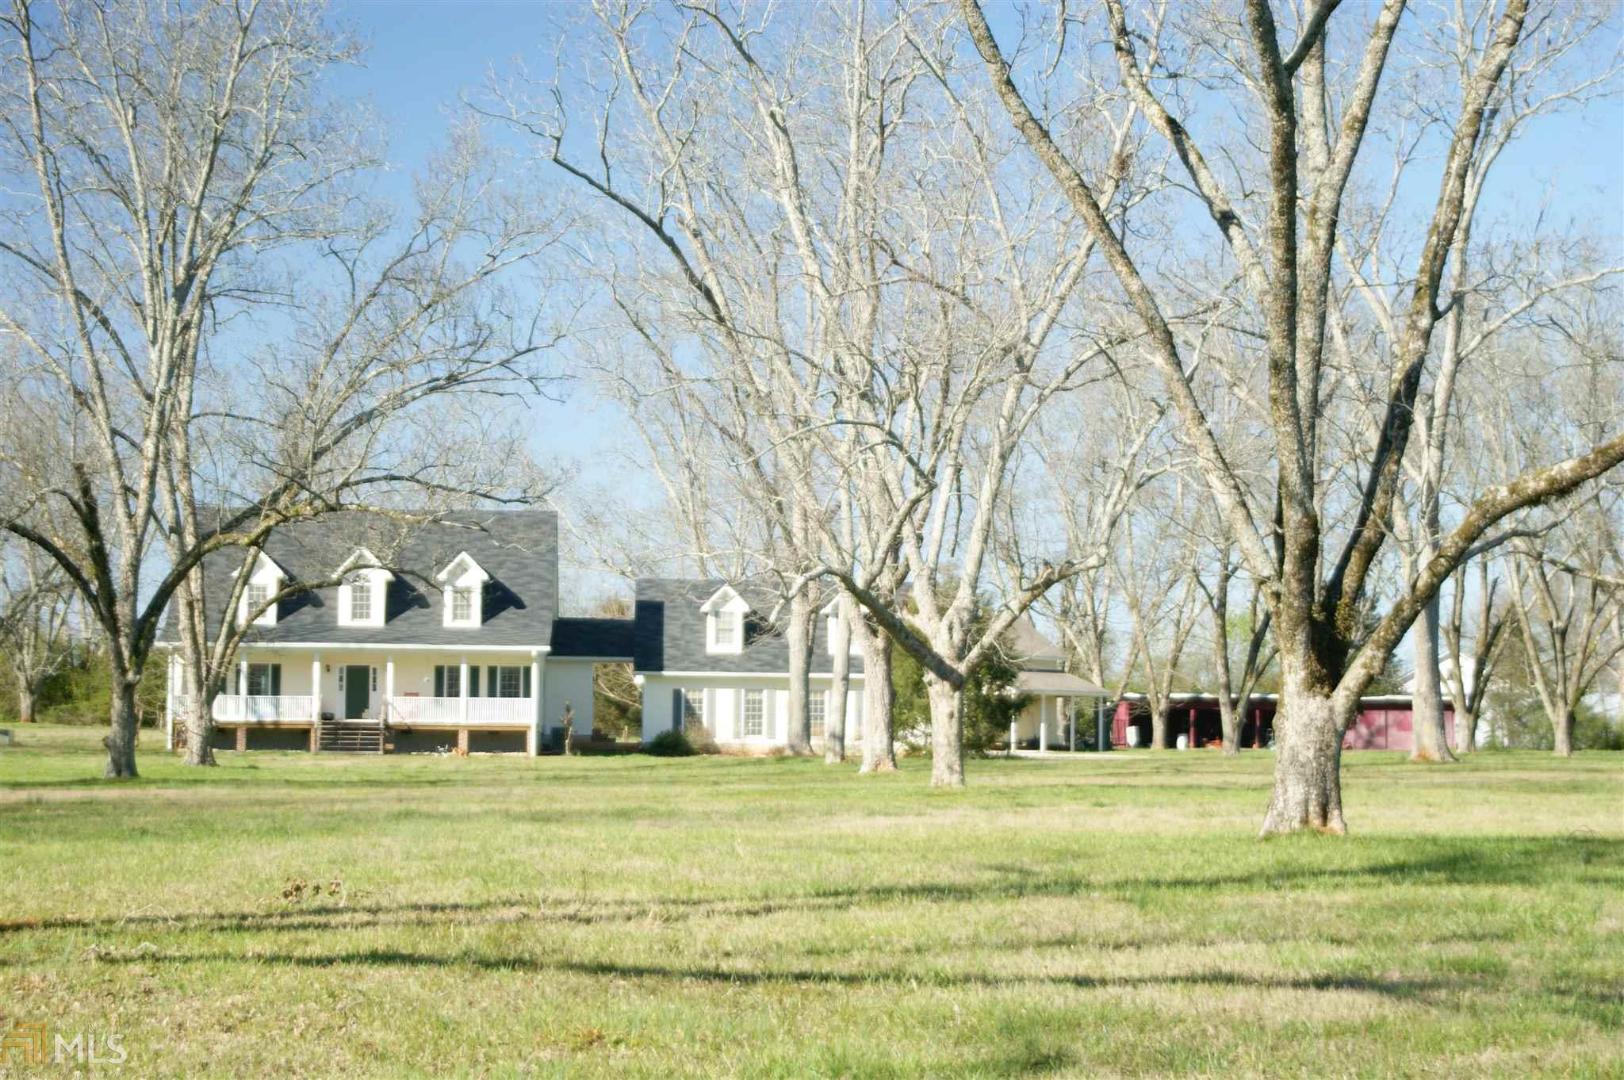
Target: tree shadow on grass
x: 1426, y: 991
x: 1513, y: 862
x: 1477, y: 863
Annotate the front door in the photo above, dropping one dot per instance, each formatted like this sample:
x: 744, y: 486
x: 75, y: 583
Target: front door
x: 357, y: 691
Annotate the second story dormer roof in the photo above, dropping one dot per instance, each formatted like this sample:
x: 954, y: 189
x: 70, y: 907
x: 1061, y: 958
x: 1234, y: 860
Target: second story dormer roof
x: 671, y: 629
x: 516, y: 552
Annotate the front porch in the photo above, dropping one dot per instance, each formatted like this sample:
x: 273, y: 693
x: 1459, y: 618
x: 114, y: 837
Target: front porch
x: 1062, y: 712
x: 360, y: 700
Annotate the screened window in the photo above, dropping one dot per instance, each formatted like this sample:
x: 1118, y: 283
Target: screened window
x: 264, y: 679
x: 727, y: 629
x: 755, y: 712
x: 360, y: 599
x: 257, y: 596
x: 462, y: 605
x: 693, y: 708
x: 510, y: 682
x: 817, y: 707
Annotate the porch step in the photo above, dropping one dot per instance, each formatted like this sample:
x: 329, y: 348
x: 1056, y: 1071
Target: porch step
x: 352, y: 736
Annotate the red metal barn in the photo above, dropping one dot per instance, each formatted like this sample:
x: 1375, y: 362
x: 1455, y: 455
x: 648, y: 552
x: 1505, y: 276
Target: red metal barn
x: 1384, y: 722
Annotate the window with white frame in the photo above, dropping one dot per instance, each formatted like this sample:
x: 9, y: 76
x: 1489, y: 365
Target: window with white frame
x: 448, y: 680
x: 693, y: 709
x: 264, y: 679
x: 258, y: 595
x: 462, y: 582
x: 817, y: 708
x: 725, y: 621
x: 360, y: 599
x: 508, y: 681
x: 753, y: 722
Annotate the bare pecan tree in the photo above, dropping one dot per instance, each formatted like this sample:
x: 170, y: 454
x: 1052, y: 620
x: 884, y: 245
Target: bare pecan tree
x: 1281, y: 243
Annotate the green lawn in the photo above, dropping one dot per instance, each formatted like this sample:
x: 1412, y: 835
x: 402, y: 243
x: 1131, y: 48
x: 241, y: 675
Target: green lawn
x: 498, y: 916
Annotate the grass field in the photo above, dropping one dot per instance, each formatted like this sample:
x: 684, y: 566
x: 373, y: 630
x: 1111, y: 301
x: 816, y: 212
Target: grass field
x: 1094, y: 917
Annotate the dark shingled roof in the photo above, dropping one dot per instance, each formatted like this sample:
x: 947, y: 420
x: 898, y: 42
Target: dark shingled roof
x: 600, y: 639
x: 517, y: 548
x: 671, y: 631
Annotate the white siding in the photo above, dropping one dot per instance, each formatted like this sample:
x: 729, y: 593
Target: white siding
x: 571, y: 681
x: 724, y: 700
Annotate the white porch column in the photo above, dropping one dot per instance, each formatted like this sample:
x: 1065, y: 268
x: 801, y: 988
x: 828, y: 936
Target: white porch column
x: 169, y: 704
x: 532, y: 743
x: 462, y: 690
x: 1012, y: 738
x: 315, y: 689
x: 1043, y: 725
x: 388, y: 687
x: 242, y: 678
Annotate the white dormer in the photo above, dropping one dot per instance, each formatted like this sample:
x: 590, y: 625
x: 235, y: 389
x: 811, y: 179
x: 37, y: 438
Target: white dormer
x: 264, y: 582
x: 363, y: 590
x: 724, y: 621
x: 463, y: 583
x: 831, y: 623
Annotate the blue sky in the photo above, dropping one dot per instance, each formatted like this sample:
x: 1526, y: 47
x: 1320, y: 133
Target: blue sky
x: 422, y: 55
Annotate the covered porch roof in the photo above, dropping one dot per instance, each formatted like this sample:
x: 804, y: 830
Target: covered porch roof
x: 1055, y: 684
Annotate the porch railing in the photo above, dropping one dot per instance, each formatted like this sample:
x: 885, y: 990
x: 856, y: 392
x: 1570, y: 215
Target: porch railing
x: 258, y: 708
x: 424, y: 710
x: 514, y: 711
x: 407, y: 711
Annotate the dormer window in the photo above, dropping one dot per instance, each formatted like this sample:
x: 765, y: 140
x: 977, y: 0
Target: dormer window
x: 360, y: 599
x: 264, y: 582
x: 364, y: 590
x: 463, y: 580
x: 724, y: 621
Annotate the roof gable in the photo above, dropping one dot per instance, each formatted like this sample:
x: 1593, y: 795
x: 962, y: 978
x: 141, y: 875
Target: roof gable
x: 670, y: 630
x: 464, y: 566
x: 517, y: 548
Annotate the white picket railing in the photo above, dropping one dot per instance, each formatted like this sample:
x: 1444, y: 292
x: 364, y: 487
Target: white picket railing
x: 406, y: 711
x: 424, y: 710
x: 513, y: 711
x: 482, y: 712
x: 259, y: 708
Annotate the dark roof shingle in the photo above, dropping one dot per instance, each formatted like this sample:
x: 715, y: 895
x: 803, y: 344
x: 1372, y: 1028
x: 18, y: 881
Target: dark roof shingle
x: 518, y: 548
x: 670, y: 632
x: 600, y: 639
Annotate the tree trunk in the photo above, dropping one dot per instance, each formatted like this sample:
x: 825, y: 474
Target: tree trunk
x: 25, y: 702
x: 199, y: 720
x: 1158, y: 727
x: 1562, y: 729
x: 834, y: 716
x: 1307, y: 763
x: 1229, y: 716
x: 200, y: 688
x: 798, y: 636
x: 1428, y: 741
x: 125, y: 721
x: 946, y: 732
x: 879, y: 753
x: 1465, y: 730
